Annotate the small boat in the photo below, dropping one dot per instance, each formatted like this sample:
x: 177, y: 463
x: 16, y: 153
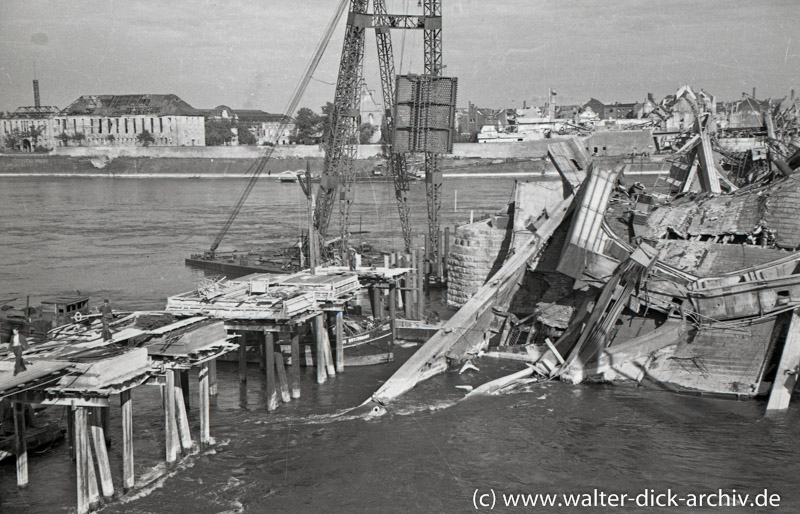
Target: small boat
x: 287, y: 176
x: 35, y: 438
x: 35, y: 322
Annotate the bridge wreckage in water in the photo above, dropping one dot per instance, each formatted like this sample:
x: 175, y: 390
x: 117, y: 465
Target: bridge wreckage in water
x: 694, y: 286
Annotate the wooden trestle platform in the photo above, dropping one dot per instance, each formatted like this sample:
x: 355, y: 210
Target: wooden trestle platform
x: 273, y: 312
x: 80, y: 371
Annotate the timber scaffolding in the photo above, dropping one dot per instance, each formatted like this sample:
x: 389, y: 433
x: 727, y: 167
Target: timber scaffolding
x: 270, y: 313
x: 76, y: 369
x: 691, y: 286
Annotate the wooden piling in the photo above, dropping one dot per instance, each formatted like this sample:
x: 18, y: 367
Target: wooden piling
x: 243, y: 358
x: 339, y: 343
x: 392, y: 308
x: 212, y: 377
x: 185, y: 389
x: 71, y: 432
x: 326, y: 347
x: 319, y: 330
x: 376, y: 302
x: 126, y: 406
x: 283, y: 383
x: 295, y: 371
x: 262, y: 357
x: 20, y: 445
x: 98, y: 441
x: 182, y: 419
x: 788, y: 368
x: 204, y: 393
x: 81, y: 459
x: 309, y: 358
x: 272, y: 393
x: 386, y: 260
x: 168, y: 399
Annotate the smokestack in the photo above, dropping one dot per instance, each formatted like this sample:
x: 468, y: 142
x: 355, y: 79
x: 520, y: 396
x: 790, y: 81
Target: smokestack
x: 792, y: 97
x: 754, y: 93
x: 36, y: 101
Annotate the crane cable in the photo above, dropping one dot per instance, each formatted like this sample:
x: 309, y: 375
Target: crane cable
x: 258, y: 167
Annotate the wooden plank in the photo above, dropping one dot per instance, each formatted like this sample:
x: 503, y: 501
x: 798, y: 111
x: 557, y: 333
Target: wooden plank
x: 182, y: 420
x: 788, y: 368
x: 272, y: 393
x: 212, y: 377
x: 20, y: 444
x: 126, y: 406
x: 326, y: 346
x: 204, y: 393
x: 101, y: 453
x: 243, y: 358
x: 340, y: 343
x: 168, y: 399
x: 295, y: 369
x: 319, y: 329
x: 185, y: 389
x: 282, y: 380
x: 466, y: 327
x: 81, y: 460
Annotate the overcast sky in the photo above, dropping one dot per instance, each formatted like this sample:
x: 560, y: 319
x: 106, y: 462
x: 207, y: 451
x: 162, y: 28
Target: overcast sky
x: 252, y: 53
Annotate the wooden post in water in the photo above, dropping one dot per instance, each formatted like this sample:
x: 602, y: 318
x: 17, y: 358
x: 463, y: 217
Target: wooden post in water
x: 788, y: 368
x: 376, y: 296
x: 339, y: 343
x: 185, y: 389
x: 204, y: 392
x: 71, y: 432
x: 81, y: 459
x: 283, y: 382
x: 272, y: 393
x: 212, y: 377
x: 326, y: 346
x: 295, y: 371
x: 393, y: 308
x: 20, y: 445
x: 98, y: 440
x: 308, y: 354
x: 386, y: 260
x: 319, y: 330
x: 182, y: 419
x: 126, y: 408
x: 169, y: 417
x: 262, y: 356
x: 243, y: 357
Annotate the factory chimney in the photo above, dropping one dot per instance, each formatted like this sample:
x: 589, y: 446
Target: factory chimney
x: 36, y: 101
x: 754, y: 93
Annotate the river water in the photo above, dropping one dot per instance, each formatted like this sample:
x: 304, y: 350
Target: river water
x: 125, y: 239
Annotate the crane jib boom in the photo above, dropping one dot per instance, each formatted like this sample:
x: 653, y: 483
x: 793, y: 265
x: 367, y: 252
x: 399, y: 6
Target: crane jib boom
x: 258, y: 167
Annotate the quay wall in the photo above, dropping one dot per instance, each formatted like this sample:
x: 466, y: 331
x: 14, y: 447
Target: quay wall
x: 235, y: 161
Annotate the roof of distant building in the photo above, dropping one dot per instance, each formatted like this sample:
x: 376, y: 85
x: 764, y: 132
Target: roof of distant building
x: 120, y: 105
x: 243, y: 115
x: 44, y: 111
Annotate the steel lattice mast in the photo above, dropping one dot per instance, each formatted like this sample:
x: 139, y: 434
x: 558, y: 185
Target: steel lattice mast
x: 340, y: 149
x: 433, y: 175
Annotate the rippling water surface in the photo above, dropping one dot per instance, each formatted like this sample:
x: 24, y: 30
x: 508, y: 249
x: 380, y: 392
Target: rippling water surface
x: 126, y: 239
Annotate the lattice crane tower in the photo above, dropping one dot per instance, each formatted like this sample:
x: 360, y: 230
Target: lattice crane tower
x: 420, y: 116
